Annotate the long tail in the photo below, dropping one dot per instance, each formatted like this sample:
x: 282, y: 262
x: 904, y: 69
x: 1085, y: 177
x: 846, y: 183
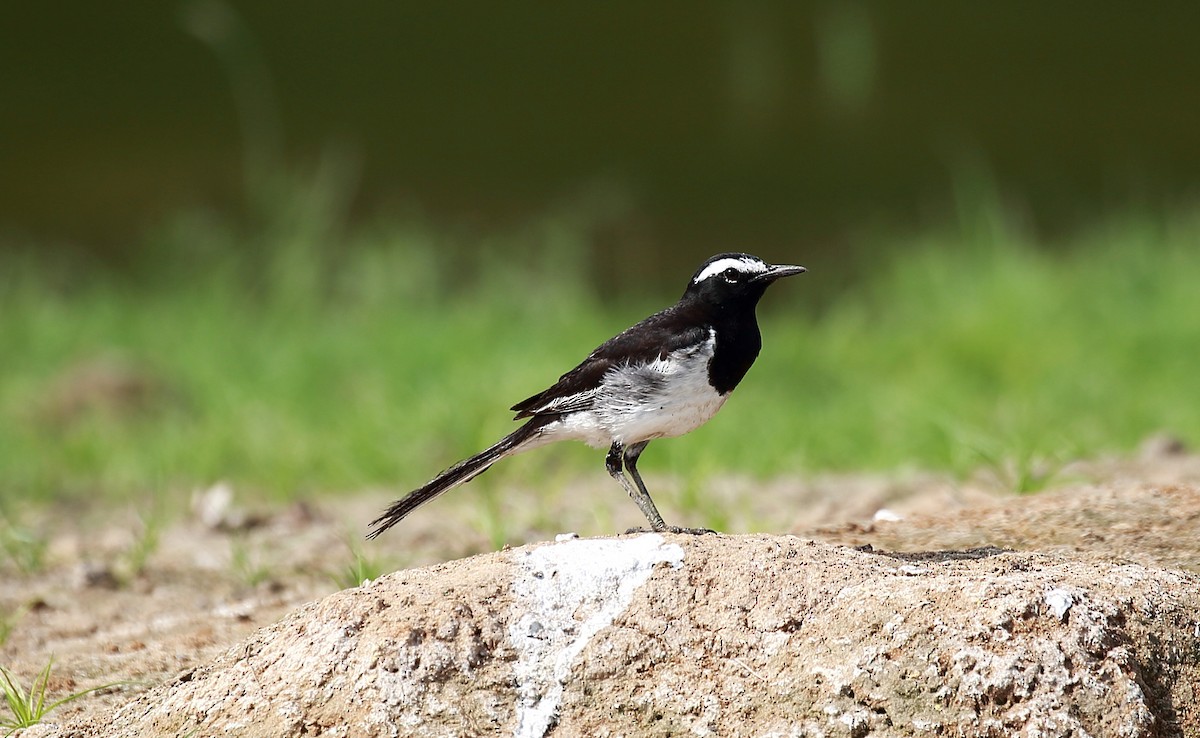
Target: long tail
x: 461, y: 473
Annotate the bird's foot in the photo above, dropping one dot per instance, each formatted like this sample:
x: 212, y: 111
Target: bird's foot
x: 673, y: 529
x: 690, y: 531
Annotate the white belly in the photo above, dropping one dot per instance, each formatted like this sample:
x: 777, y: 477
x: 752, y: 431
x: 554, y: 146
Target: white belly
x: 666, y: 398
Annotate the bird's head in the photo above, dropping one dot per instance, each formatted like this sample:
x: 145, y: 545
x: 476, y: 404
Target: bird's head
x: 735, y: 280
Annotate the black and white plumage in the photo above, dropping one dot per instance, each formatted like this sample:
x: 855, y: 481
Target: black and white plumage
x: 663, y: 377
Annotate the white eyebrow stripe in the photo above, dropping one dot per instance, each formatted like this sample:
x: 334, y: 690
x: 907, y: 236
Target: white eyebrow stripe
x: 741, y: 264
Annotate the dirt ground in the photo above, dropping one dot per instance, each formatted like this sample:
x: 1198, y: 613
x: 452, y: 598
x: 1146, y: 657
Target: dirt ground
x: 109, y: 603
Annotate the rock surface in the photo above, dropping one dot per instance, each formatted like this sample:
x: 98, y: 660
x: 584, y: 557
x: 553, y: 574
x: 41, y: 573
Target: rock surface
x: 712, y: 635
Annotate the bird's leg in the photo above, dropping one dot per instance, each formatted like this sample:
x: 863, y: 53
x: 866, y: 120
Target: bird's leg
x: 637, y: 494
x: 631, y: 457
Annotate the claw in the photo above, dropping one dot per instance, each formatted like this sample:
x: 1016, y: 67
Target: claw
x: 673, y: 529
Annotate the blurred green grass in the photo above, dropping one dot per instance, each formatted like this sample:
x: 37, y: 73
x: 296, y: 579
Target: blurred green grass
x: 299, y: 357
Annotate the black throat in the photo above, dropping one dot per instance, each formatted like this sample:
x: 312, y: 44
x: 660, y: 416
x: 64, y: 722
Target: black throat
x: 737, y: 344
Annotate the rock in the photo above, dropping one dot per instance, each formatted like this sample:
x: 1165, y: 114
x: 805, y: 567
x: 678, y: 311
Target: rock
x: 215, y: 510
x: 89, y: 574
x: 713, y: 635
x: 1162, y: 445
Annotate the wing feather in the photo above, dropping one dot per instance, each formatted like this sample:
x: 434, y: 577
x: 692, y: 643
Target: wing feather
x: 651, y: 339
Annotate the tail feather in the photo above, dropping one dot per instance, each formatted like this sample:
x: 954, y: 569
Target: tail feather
x: 461, y: 473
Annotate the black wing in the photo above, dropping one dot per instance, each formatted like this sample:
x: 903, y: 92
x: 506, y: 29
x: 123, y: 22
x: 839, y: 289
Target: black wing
x: 653, y: 338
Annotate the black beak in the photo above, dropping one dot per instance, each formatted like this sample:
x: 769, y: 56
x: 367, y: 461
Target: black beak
x: 778, y: 271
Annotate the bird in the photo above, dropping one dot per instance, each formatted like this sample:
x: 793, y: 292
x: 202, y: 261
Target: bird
x: 661, y: 378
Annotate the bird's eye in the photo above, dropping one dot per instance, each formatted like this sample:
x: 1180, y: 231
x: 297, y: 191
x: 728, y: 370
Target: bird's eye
x: 730, y: 274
